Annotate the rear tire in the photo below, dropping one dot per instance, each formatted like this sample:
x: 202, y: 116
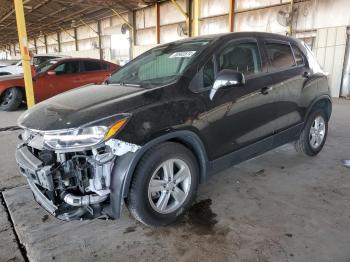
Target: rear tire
x: 164, y: 184
x: 11, y: 99
x: 314, y: 134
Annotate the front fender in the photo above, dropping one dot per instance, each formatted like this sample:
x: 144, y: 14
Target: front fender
x: 125, y: 165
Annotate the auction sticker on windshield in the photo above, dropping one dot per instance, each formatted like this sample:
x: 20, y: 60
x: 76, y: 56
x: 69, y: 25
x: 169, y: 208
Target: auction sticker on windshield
x: 183, y: 54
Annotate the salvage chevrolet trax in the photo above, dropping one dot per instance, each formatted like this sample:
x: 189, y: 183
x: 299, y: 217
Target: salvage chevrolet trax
x: 167, y: 121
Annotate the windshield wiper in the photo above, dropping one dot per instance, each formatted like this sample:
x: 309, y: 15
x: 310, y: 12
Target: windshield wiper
x: 125, y: 84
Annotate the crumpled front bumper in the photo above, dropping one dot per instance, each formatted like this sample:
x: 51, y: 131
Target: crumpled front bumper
x: 31, y: 167
x: 39, y: 177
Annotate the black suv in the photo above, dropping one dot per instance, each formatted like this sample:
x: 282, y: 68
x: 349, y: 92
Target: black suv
x: 170, y: 119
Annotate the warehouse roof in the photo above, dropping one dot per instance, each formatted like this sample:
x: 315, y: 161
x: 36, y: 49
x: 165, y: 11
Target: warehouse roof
x: 47, y: 16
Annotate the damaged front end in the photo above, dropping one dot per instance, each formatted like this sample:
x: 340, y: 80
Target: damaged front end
x: 71, y: 182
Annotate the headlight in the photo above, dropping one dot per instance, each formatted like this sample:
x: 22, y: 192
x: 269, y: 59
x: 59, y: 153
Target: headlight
x: 85, y: 136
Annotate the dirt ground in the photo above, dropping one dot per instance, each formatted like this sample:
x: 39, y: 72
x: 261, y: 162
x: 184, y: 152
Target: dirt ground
x: 280, y: 206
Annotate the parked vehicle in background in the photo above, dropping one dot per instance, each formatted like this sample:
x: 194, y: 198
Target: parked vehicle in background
x: 54, y: 77
x: 167, y: 121
x: 4, y: 63
x: 17, y: 68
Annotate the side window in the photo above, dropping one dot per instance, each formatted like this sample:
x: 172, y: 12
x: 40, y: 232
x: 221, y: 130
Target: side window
x: 280, y: 56
x: 67, y: 68
x: 208, y: 74
x: 104, y: 66
x: 92, y: 66
x: 299, y: 59
x: 244, y: 58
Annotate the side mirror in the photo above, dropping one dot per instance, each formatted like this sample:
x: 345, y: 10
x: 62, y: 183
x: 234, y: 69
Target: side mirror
x: 51, y: 73
x: 227, y: 78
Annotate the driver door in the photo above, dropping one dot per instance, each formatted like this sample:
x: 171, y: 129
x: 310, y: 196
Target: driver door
x: 64, y: 76
x: 238, y: 116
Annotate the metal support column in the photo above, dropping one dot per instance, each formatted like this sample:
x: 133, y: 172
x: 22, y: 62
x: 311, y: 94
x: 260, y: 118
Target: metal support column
x: 59, y: 42
x: 157, y: 23
x: 99, y: 33
x: 188, y: 19
x: 132, y: 34
x: 291, y: 18
x: 23, y: 42
x: 196, y: 15
x: 45, y: 42
x: 35, y: 46
x: 76, y: 39
x: 231, y: 16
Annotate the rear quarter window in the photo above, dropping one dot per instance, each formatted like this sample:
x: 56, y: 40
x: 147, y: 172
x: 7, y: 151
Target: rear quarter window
x: 299, y: 58
x: 104, y: 66
x: 280, y: 56
x: 92, y: 66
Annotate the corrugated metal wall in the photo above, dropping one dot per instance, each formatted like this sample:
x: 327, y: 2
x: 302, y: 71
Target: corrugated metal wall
x: 330, y: 52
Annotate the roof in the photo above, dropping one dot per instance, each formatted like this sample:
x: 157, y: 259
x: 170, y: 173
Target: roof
x: 236, y: 34
x: 48, y: 16
x: 67, y: 59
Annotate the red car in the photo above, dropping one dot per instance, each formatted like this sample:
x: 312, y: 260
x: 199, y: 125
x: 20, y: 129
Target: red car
x: 54, y: 77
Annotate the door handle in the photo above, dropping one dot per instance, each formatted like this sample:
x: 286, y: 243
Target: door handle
x: 265, y: 90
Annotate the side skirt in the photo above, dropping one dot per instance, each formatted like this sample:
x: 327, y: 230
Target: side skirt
x: 289, y: 135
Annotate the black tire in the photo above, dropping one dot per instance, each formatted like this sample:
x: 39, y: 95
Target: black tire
x: 138, y: 201
x: 303, y: 144
x: 11, y: 99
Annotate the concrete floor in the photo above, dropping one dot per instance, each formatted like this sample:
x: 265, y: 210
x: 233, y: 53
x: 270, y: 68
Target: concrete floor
x: 278, y: 207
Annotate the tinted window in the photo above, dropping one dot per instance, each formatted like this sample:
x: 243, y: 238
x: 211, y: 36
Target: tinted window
x: 44, y: 66
x: 280, y: 55
x: 92, y: 66
x: 208, y: 74
x: 40, y: 60
x: 67, y: 68
x: 104, y: 66
x: 299, y: 59
x: 244, y: 58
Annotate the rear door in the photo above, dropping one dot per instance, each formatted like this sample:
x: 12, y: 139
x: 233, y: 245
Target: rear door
x: 94, y: 71
x: 238, y: 116
x: 289, y: 73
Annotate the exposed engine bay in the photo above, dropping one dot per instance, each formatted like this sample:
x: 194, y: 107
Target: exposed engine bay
x: 70, y: 184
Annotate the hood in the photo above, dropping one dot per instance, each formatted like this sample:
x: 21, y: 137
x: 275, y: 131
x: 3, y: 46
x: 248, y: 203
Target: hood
x: 83, y: 105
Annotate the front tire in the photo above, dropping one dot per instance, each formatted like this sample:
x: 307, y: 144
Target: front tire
x: 11, y: 99
x: 164, y: 184
x: 314, y: 134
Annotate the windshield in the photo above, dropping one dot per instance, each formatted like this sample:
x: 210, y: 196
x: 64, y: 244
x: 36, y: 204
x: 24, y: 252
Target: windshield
x: 160, y: 65
x: 44, y: 66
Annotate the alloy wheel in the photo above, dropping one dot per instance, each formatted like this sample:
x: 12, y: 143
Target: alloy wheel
x: 7, y: 97
x: 169, y: 186
x: 317, y: 132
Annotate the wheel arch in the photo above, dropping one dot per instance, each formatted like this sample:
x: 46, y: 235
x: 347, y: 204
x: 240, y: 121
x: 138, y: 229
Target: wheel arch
x: 323, y: 102
x: 2, y: 90
x: 125, y: 165
x: 187, y: 138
